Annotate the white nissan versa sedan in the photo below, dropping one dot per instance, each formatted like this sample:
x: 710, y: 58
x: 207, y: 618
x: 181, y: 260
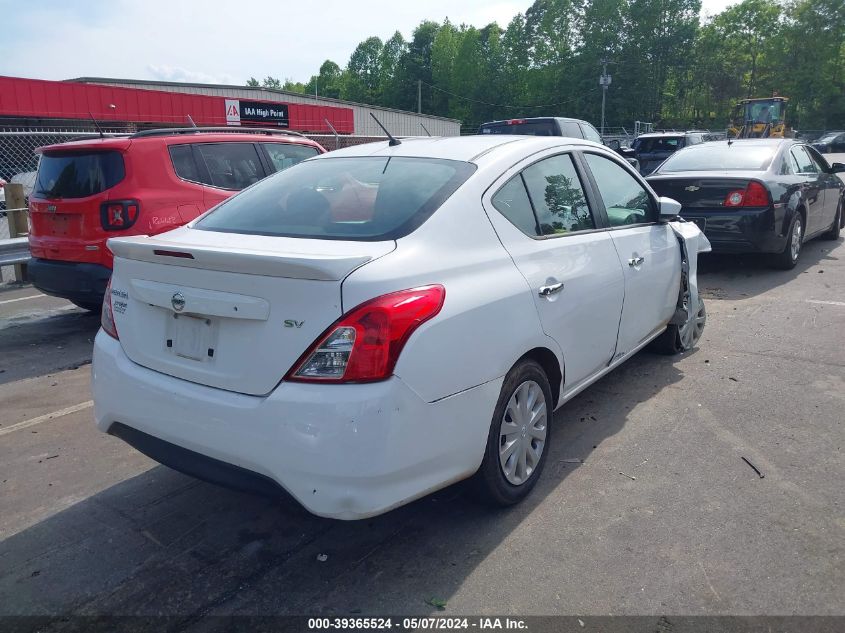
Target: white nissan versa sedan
x: 376, y: 323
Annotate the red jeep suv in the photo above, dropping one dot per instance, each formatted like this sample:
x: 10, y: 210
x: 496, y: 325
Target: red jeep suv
x: 140, y: 184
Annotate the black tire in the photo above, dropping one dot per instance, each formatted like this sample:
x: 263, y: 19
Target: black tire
x: 88, y: 305
x: 490, y: 483
x: 671, y: 342
x: 836, y: 227
x: 787, y: 258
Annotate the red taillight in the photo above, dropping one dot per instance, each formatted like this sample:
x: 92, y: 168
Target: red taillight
x: 515, y: 121
x: 107, y: 317
x: 754, y: 195
x: 118, y: 215
x: 365, y: 343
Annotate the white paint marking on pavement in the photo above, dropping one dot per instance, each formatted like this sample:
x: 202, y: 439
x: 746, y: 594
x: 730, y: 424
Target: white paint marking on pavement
x: 47, y: 416
x: 826, y: 303
x: 21, y: 299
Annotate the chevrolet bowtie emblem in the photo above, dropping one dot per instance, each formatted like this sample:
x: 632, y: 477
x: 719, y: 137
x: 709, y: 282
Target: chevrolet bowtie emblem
x: 692, y: 188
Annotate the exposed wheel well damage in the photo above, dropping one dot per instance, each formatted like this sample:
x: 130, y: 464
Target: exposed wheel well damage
x: 550, y: 364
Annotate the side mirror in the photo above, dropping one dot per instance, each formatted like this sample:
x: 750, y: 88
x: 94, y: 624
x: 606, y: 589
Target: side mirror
x: 614, y: 145
x: 669, y: 209
x: 837, y: 168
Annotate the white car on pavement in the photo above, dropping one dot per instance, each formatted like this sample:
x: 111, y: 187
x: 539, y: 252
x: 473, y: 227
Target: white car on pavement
x: 379, y: 322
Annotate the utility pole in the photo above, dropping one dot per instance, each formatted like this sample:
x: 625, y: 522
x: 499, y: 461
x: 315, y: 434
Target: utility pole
x: 604, y: 82
x: 419, y: 96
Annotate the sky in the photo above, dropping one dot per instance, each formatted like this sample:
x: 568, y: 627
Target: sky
x: 216, y: 41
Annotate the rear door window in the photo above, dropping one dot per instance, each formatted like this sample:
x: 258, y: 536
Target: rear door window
x: 363, y: 198
x: 232, y: 166
x: 804, y: 163
x: 77, y: 174
x: 513, y: 203
x: 284, y: 155
x: 591, y: 133
x: 557, y: 196
x: 182, y: 157
x: 570, y: 129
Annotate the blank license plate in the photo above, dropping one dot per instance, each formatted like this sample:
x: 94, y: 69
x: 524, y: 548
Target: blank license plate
x: 192, y: 337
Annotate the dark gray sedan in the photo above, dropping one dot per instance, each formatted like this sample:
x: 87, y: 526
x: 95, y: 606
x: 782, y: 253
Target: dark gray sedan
x: 756, y: 195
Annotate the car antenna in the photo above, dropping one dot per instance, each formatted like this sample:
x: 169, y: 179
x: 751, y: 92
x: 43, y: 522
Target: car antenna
x: 393, y: 140
x: 425, y: 128
x: 191, y: 121
x: 96, y: 125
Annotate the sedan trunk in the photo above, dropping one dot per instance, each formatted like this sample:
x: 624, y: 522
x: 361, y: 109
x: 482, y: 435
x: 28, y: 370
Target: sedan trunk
x: 228, y: 312
x: 707, y: 192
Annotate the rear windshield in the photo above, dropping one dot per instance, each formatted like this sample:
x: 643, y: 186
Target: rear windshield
x: 659, y: 144
x: 720, y: 157
x: 361, y: 198
x: 77, y: 174
x: 529, y: 128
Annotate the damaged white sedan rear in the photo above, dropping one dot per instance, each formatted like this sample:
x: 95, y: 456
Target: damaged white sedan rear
x: 376, y: 323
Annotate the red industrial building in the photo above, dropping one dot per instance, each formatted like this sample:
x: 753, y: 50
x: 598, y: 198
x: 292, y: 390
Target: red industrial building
x: 38, y: 102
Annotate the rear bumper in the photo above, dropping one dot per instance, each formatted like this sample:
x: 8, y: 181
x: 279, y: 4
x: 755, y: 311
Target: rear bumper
x: 747, y: 231
x: 77, y: 281
x: 342, y: 451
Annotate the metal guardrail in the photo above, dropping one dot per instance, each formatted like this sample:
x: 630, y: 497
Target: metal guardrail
x: 14, y: 250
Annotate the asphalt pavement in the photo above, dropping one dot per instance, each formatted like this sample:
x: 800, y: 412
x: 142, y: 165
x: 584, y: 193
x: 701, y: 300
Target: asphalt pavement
x: 646, y: 505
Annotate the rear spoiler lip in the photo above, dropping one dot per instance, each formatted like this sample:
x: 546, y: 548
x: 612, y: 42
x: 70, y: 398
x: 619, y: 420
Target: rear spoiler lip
x: 316, y: 267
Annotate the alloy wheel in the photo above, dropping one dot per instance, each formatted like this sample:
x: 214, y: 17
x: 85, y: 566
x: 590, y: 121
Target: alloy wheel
x: 795, y: 239
x: 691, y: 331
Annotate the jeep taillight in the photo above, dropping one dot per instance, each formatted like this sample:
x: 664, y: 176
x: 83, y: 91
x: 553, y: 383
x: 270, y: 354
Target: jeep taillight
x: 118, y: 215
x: 365, y: 343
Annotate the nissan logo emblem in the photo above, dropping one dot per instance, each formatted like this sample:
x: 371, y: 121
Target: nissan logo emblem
x: 178, y: 301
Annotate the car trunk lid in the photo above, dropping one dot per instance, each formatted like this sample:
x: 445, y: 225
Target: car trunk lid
x: 231, y: 312
x: 698, y: 192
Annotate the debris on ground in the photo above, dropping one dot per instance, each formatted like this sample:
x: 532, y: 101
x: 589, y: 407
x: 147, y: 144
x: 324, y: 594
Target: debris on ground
x: 438, y: 603
x: 322, y: 557
x: 573, y: 460
x: 756, y: 470
x: 732, y: 378
x: 631, y: 477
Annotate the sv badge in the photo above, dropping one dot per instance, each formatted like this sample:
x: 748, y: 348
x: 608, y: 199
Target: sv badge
x: 292, y: 323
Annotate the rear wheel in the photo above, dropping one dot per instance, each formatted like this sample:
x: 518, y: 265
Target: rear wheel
x: 517, y: 444
x: 788, y: 257
x: 835, y: 228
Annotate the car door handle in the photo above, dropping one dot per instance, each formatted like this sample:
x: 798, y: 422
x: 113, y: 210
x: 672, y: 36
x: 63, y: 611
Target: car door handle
x: 548, y: 291
x: 635, y: 261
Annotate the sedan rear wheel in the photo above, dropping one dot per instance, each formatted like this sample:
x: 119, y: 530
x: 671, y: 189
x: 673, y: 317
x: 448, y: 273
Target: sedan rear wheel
x: 517, y: 444
x: 788, y: 257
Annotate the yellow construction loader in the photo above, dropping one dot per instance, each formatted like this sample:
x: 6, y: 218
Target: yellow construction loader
x: 760, y: 118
